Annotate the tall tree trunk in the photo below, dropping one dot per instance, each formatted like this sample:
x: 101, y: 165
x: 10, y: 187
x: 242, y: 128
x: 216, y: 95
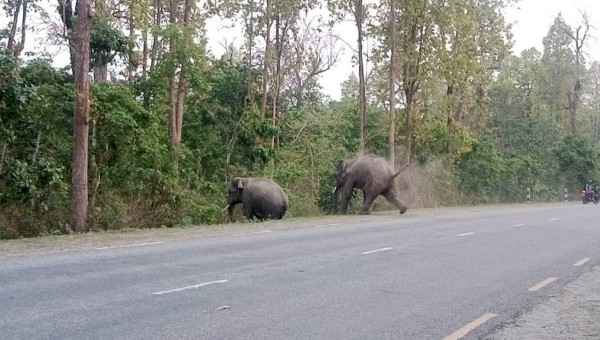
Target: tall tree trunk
x: 266, y: 59
x: 131, y: 56
x: 579, y: 37
x: 173, y: 84
x: 100, y: 73
x: 392, y: 100
x: 12, y: 45
x: 277, y: 69
x: 362, y: 92
x: 408, y: 127
x: 23, y: 28
x: 65, y: 10
x: 13, y: 29
x: 154, y: 51
x: 250, y: 34
x: 184, y: 69
x: 144, y: 52
x: 79, y: 189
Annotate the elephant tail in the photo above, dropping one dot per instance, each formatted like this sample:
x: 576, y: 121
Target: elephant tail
x: 398, y: 173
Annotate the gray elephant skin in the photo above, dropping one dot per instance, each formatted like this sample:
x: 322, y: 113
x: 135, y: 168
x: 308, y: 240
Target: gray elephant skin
x: 260, y: 197
x: 371, y: 174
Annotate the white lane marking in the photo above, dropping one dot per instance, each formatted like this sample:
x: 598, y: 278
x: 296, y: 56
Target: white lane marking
x: 581, y: 262
x: 554, y: 219
x: 189, y: 287
x: 260, y: 232
x: 461, y: 332
x: 542, y: 284
x: 254, y: 232
x: 130, y: 245
x: 327, y: 225
x: 580, y: 214
x: 376, y: 250
x: 519, y: 225
x: 466, y: 234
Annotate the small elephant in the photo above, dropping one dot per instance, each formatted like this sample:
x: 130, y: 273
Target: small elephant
x: 371, y: 174
x: 261, y: 198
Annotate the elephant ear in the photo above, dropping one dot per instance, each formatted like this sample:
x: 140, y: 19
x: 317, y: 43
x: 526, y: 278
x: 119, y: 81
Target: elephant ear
x: 339, y: 166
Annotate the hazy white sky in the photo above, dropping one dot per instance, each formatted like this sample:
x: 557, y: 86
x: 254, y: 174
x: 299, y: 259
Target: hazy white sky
x: 531, y: 20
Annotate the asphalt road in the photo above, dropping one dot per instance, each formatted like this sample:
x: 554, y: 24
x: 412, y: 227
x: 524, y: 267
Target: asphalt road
x: 394, y: 277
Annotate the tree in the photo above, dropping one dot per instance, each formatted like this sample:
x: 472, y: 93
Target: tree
x: 415, y: 31
x: 79, y: 190
x: 475, y: 39
x: 578, y: 36
x: 558, y: 61
x: 340, y: 9
x: 65, y: 10
x: 593, y: 100
x: 392, y: 94
x: 17, y: 7
x: 313, y: 51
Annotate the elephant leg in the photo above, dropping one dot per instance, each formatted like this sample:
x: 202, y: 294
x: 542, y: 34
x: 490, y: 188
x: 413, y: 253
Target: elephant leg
x: 346, y: 195
x: 248, y: 211
x: 368, y: 200
x: 392, y: 197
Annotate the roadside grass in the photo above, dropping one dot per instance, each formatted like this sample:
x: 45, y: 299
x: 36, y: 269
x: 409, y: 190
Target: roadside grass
x: 129, y: 236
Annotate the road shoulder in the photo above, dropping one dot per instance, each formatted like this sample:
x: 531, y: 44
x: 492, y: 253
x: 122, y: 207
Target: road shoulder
x: 573, y: 313
x: 58, y: 243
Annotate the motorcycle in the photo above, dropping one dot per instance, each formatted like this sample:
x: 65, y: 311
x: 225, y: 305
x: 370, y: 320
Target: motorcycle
x: 590, y: 196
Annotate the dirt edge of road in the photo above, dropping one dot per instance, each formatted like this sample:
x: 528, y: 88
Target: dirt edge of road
x: 572, y: 313
x: 137, y: 236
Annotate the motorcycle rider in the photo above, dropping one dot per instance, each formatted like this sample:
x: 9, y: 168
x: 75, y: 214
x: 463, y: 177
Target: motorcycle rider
x: 590, y: 189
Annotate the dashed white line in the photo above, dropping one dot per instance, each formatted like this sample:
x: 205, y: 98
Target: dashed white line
x: 461, y: 332
x: 519, y: 225
x: 542, y: 284
x: 254, y: 232
x: 260, y: 232
x: 189, y: 287
x: 130, y: 245
x: 377, y: 250
x: 581, y: 262
x: 327, y: 225
x: 466, y: 234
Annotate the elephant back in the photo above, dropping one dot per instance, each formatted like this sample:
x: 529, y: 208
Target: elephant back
x: 266, y: 190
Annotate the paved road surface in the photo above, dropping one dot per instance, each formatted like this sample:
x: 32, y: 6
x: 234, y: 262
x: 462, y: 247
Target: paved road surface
x: 394, y: 277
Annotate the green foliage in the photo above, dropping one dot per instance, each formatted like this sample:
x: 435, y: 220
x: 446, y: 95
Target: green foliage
x: 106, y: 42
x: 328, y: 201
x: 518, y: 173
x: 578, y: 161
x: 434, y: 139
x: 480, y: 170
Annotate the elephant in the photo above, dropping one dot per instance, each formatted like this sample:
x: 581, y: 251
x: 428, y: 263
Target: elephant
x: 261, y: 198
x: 371, y: 174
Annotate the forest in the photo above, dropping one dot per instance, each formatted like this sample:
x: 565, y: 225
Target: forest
x: 146, y: 126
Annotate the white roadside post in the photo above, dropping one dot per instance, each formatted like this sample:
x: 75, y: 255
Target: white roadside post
x: 566, y: 195
x: 528, y: 195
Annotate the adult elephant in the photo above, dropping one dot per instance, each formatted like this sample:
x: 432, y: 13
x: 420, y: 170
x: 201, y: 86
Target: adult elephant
x: 260, y: 197
x: 371, y: 174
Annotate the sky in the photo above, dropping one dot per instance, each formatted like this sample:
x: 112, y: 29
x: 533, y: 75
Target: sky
x: 531, y: 20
